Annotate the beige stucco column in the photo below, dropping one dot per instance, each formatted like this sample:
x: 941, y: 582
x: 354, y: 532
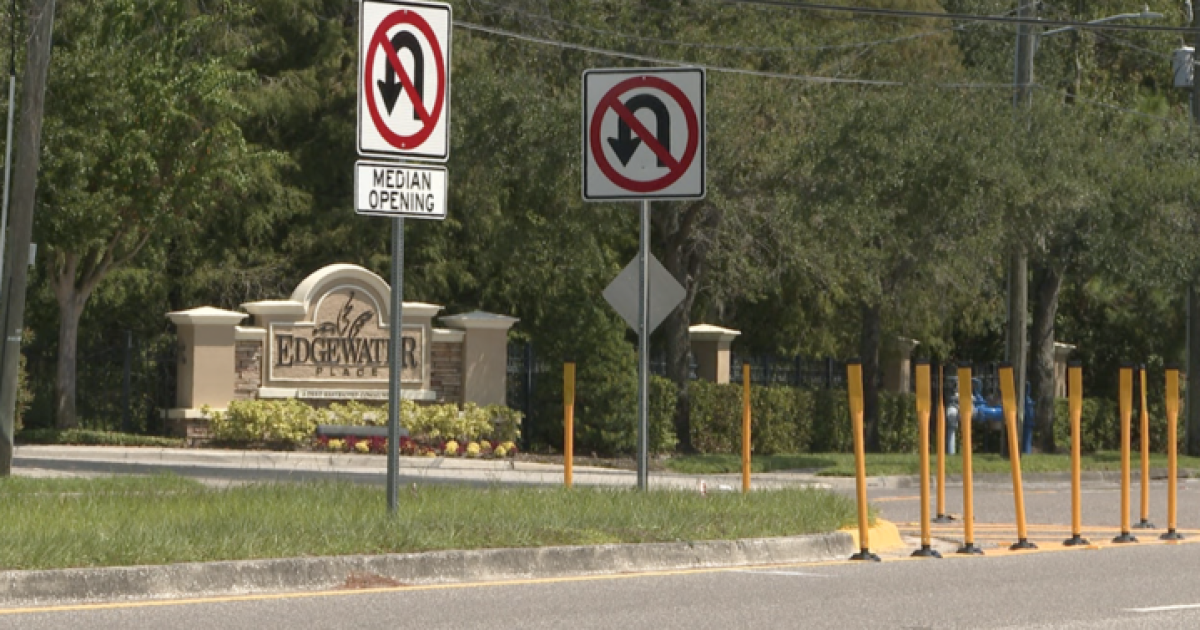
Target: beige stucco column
x: 206, y: 362
x: 484, y: 355
x: 710, y: 348
x: 896, y: 362
x: 1062, y: 352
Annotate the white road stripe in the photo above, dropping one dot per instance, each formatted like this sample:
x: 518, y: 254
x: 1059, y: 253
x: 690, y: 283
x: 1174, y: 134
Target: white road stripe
x: 1163, y: 608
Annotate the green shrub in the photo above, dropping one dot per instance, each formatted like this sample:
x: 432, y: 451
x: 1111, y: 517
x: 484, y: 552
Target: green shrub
x: 605, y: 417
x: 794, y: 420
x: 87, y: 437
x: 506, y: 423
x: 716, y: 417
x: 359, y: 414
x: 831, y: 422
x: 781, y: 418
x: 24, y: 396
x: 286, y: 421
x: 1100, y: 425
x: 293, y: 422
x: 898, y: 430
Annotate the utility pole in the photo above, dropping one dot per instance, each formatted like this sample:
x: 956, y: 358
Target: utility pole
x: 16, y: 267
x: 1193, y: 293
x: 1018, y: 266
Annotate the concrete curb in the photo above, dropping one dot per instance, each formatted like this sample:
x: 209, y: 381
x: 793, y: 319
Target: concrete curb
x: 76, y: 586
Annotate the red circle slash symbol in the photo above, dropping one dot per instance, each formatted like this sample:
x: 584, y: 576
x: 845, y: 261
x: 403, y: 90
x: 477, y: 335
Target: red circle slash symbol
x: 676, y: 167
x: 380, y: 42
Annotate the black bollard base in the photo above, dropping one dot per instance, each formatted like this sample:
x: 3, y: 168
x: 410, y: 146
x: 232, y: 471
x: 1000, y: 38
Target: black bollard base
x: 926, y: 552
x: 1171, y: 535
x: 1125, y: 537
x: 1144, y: 524
x: 1076, y: 540
x: 970, y: 549
x: 865, y: 555
x: 943, y: 518
x: 1021, y: 545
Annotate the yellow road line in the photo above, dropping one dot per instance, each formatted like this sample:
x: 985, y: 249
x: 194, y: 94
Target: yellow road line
x: 399, y: 589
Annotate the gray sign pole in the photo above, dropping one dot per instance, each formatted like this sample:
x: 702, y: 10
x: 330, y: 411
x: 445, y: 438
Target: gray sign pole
x: 643, y: 414
x: 394, y: 365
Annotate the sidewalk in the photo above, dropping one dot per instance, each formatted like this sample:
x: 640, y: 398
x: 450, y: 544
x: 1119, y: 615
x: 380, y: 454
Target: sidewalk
x: 233, y: 466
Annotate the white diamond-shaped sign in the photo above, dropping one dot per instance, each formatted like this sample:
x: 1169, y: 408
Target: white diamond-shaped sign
x: 665, y: 293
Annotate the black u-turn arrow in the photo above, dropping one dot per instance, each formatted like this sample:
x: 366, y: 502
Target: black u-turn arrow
x: 625, y: 144
x: 391, y: 88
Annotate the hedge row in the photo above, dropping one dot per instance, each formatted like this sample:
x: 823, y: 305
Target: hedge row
x: 1100, y: 426
x: 793, y: 420
x: 294, y: 422
x: 605, y: 416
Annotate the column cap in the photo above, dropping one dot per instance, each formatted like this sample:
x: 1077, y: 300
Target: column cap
x: 206, y: 316
x: 709, y: 332
x: 479, y: 320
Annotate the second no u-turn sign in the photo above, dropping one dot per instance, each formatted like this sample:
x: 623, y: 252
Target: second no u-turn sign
x: 643, y: 134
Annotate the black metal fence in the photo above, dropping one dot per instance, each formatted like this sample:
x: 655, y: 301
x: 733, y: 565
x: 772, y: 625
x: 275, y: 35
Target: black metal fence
x: 797, y: 371
x: 526, y: 370
x: 123, y: 383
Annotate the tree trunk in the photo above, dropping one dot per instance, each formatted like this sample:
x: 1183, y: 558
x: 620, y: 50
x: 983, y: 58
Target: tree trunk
x: 72, y: 295
x: 679, y: 364
x: 685, y: 258
x: 1049, y: 282
x: 869, y: 349
x: 68, y: 345
x: 24, y: 192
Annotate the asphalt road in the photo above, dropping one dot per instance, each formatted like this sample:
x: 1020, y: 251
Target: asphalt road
x: 1149, y: 586
x: 1047, y: 510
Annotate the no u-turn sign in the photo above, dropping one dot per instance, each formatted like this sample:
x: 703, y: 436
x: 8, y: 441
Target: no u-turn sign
x: 404, y: 79
x: 643, y: 134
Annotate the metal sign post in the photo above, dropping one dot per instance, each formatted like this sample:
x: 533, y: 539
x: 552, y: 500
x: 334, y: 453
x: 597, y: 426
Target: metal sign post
x: 403, y: 112
x: 394, y: 366
x: 628, y: 158
x: 643, y: 415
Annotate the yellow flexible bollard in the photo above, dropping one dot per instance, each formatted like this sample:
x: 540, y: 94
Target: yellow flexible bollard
x: 745, y: 427
x: 1145, y: 523
x: 965, y: 409
x: 1172, y: 404
x: 854, y: 389
x: 1075, y: 394
x: 923, y: 388
x: 1009, y: 396
x: 942, y: 517
x: 568, y: 422
x: 1126, y: 402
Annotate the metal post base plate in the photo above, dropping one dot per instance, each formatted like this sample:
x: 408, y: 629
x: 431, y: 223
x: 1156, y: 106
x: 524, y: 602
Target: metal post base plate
x: 970, y: 549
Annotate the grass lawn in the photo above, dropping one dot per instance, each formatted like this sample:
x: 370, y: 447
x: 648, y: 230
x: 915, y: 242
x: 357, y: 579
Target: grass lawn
x: 842, y: 464
x: 59, y: 523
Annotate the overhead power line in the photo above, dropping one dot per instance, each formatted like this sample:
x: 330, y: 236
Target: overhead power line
x: 966, y: 17
x: 774, y: 75
x: 747, y: 49
x: 670, y: 62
